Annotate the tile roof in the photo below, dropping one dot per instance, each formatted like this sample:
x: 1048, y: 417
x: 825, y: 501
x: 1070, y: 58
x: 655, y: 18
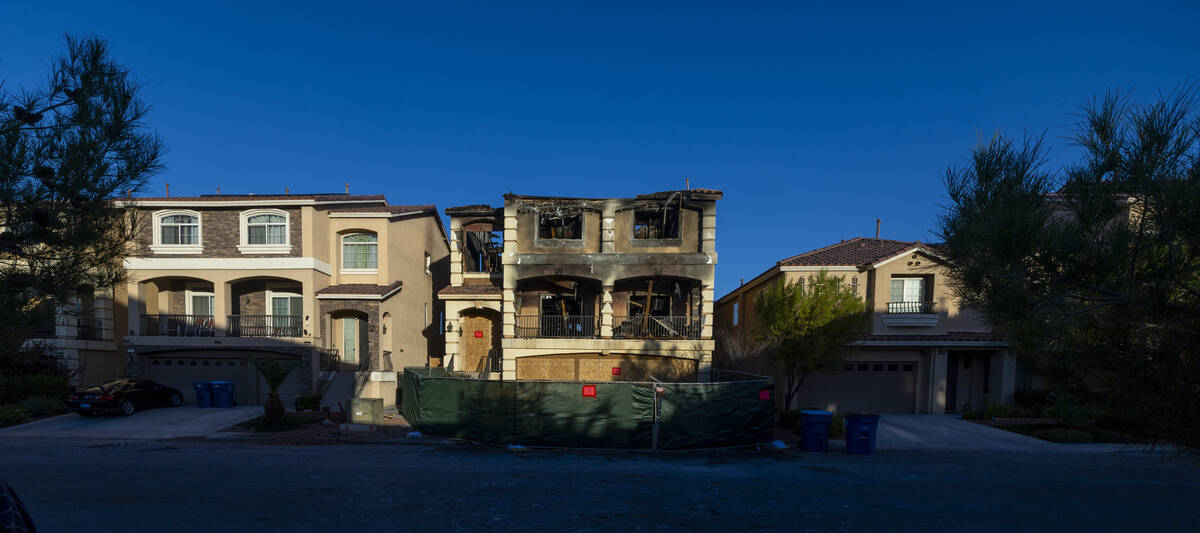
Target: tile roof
x: 250, y: 197
x: 470, y: 209
x: 952, y: 336
x: 471, y: 289
x: 366, y: 289
x: 393, y: 209
x: 854, y: 252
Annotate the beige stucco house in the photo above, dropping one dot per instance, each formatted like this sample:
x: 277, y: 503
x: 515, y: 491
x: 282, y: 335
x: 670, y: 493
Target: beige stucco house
x: 343, y: 283
x: 84, y: 334
x: 925, y: 353
x: 583, y: 288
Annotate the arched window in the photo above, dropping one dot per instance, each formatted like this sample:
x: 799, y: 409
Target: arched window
x: 360, y: 252
x: 177, y: 232
x: 264, y: 231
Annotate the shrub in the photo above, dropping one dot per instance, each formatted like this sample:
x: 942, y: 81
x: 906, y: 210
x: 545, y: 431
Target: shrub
x: 997, y: 411
x: 11, y: 415
x: 1071, y: 413
x: 1067, y: 435
x: 39, y: 406
x: 1031, y: 398
x: 15, y: 389
x: 308, y: 403
x: 972, y: 415
x: 789, y: 418
x: 837, y: 428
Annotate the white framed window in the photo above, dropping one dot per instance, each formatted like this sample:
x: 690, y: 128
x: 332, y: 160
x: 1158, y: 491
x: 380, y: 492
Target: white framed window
x: 199, y: 301
x: 265, y: 231
x: 909, y: 290
x: 177, y: 232
x: 360, y: 253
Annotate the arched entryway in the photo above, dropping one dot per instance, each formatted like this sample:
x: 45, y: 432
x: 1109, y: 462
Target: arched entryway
x: 351, y: 336
x: 479, y: 344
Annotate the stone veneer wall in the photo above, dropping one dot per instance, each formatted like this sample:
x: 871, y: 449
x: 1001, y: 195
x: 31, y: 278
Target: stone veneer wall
x: 370, y: 308
x: 219, y: 231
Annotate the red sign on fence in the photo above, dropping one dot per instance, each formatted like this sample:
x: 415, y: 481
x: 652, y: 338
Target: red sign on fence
x: 764, y: 395
x: 589, y: 391
x: 616, y: 370
x: 478, y: 334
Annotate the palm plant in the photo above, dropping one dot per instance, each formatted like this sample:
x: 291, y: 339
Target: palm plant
x: 274, y: 373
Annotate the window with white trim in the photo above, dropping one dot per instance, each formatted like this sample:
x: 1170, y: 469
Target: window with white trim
x: 360, y: 252
x: 200, y: 301
x: 177, y: 232
x: 265, y: 231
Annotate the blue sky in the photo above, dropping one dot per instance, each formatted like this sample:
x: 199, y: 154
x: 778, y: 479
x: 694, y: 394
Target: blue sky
x: 815, y: 120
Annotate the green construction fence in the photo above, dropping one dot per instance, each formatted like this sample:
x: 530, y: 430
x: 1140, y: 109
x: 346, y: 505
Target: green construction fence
x: 615, y: 414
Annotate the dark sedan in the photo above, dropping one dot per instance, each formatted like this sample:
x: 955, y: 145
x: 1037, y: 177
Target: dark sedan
x: 123, y: 396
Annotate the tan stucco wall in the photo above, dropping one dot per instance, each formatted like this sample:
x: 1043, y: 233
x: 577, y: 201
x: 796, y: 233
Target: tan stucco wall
x: 952, y: 315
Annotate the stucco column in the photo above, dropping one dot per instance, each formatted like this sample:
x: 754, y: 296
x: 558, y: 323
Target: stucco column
x: 456, y: 258
x: 135, y: 307
x: 706, y: 312
x: 606, y: 312
x: 607, y: 232
x: 708, y: 231
x: 937, y: 389
x: 221, y: 307
x: 1002, y: 373
x: 509, y: 298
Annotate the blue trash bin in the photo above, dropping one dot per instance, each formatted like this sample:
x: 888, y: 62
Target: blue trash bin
x: 814, y: 430
x: 222, y: 393
x: 204, y: 393
x: 860, y: 433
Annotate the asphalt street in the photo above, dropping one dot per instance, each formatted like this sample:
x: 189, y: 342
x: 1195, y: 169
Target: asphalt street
x: 229, y: 486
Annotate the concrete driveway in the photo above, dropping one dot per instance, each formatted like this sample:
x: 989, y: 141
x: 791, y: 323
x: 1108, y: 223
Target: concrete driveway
x: 164, y: 423
x: 951, y: 433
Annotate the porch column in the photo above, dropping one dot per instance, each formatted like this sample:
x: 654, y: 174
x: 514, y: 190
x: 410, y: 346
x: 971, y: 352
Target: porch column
x: 221, y: 307
x: 1002, y: 371
x: 509, y: 298
x: 708, y: 231
x: 606, y: 312
x: 135, y: 307
x: 937, y: 389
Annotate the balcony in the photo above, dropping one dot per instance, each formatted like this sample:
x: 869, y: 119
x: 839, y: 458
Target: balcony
x: 911, y: 314
x: 556, y: 327
x: 178, y: 325
x: 656, y: 327
x: 266, y: 326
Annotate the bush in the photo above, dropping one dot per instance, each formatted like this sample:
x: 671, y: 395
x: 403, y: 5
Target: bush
x: 837, y: 428
x: 997, y: 411
x: 1071, y: 413
x: 11, y: 415
x: 972, y: 415
x: 1031, y: 398
x: 308, y: 403
x: 39, y: 406
x: 1066, y: 435
x: 789, y: 418
x: 15, y: 389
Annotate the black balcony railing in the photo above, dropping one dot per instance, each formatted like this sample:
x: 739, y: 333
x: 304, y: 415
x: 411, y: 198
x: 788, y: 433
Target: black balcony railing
x: 656, y: 327
x: 266, y: 326
x: 330, y: 360
x: 89, y: 329
x: 557, y: 326
x: 910, y: 308
x: 177, y: 325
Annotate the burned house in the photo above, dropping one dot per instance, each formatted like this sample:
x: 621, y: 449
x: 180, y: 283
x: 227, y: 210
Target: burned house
x: 583, y: 288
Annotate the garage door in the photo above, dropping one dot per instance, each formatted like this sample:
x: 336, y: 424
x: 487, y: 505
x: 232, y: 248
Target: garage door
x: 863, y: 386
x: 181, y: 369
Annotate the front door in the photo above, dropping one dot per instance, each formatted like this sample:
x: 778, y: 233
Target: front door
x: 350, y: 339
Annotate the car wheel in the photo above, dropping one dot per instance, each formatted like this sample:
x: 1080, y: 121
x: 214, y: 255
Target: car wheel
x: 126, y: 408
x: 176, y: 400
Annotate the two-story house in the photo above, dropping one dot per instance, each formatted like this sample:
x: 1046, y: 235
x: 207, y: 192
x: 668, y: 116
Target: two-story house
x: 84, y: 334
x: 343, y: 283
x: 925, y: 353
x: 583, y: 288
